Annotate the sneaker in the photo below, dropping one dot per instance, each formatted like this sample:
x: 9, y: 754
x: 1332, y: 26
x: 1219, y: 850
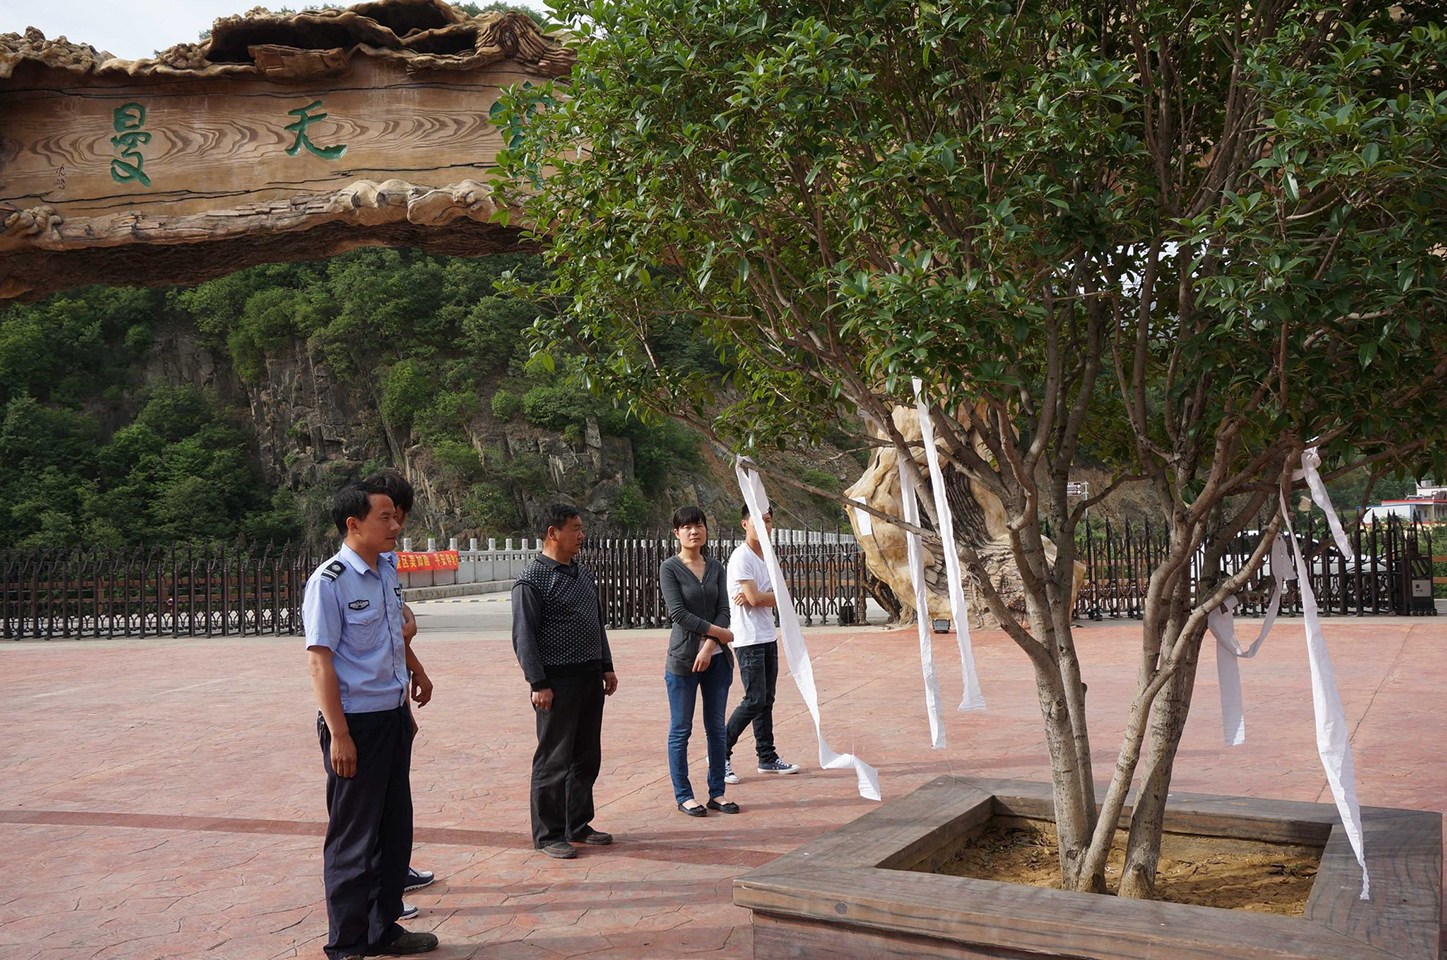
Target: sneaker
x: 409, y: 910
x: 560, y: 850
x: 593, y: 837
x: 417, y: 879
x: 729, y: 775
x: 408, y: 943
x: 777, y: 766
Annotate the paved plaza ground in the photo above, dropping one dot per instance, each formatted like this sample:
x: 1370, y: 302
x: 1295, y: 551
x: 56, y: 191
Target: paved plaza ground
x: 164, y: 798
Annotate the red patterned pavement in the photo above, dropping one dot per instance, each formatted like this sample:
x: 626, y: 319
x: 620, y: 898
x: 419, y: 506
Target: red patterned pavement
x: 163, y: 798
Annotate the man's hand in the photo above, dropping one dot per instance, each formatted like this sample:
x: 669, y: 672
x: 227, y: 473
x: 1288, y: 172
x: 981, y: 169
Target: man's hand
x: 740, y: 600
x: 543, y: 699
x: 421, y: 688
x: 344, y: 756
x: 610, y: 683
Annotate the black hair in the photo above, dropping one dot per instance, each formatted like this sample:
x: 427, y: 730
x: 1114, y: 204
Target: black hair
x: 690, y: 514
x: 394, y: 485
x: 354, y: 500
x: 556, y: 515
x: 744, y: 513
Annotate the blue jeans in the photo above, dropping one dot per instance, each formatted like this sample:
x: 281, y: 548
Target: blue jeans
x: 682, y: 696
x: 759, y: 671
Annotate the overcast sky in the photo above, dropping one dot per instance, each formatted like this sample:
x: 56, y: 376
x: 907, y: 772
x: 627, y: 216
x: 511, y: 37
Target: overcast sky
x: 132, y: 29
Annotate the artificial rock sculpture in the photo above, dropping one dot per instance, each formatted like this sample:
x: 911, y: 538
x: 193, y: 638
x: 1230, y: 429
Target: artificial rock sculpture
x: 980, y: 521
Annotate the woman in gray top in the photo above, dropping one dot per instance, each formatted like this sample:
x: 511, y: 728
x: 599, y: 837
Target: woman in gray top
x: 696, y: 593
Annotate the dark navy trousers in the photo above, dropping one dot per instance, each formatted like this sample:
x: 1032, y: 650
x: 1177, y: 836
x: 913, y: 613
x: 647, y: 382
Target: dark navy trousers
x: 369, y: 833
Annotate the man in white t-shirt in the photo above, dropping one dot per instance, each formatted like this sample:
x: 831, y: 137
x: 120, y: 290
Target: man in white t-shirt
x: 756, y: 647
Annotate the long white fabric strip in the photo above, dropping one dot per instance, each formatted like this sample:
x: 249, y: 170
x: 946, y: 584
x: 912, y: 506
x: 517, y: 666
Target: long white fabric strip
x: 1333, y: 741
x: 909, y: 501
x: 1333, y: 738
x: 1222, y: 622
x: 972, y: 699
x: 792, y: 638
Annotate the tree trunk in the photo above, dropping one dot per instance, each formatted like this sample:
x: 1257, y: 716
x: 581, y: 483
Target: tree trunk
x: 1074, y: 818
x: 1168, y: 720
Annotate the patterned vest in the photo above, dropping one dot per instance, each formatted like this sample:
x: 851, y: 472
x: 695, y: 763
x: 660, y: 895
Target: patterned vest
x: 570, y: 632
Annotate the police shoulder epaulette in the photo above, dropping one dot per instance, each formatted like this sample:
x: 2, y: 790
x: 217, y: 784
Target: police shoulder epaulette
x: 333, y: 570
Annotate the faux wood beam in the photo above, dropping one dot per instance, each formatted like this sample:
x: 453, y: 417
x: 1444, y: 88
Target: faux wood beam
x: 280, y: 138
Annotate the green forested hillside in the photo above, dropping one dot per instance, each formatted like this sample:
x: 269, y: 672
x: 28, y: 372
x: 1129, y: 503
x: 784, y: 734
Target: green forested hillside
x: 233, y: 409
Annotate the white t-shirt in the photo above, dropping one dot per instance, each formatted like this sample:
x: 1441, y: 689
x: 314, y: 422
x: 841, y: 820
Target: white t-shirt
x: 750, y: 625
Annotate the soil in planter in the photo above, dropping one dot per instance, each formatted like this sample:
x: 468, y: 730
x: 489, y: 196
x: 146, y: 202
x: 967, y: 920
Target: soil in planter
x: 1205, y: 871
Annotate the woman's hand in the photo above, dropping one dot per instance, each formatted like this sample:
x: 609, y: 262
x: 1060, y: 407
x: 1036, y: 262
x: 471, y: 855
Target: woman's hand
x: 706, y: 649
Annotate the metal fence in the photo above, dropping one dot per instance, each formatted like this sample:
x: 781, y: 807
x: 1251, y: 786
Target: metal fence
x: 179, y: 591
x: 210, y: 591
x: 187, y: 591
x: 825, y: 573
x: 1391, y: 570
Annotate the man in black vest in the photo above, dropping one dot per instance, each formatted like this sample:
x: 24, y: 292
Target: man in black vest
x: 562, y: 647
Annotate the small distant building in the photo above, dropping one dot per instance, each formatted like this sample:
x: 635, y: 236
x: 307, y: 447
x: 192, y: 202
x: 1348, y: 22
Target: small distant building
x: 1428, y: 505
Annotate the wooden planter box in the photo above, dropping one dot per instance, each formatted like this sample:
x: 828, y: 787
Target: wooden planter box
x: 852, y: 892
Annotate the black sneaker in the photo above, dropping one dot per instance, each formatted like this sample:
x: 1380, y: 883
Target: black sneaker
x: 777, y: 766
x: 729, y: 775
x: 409, y: 943
x: 417, y: 879
x: 560, y: 850
x: 596, y: 838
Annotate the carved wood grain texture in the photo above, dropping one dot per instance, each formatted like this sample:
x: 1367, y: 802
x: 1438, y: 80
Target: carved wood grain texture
x: 222, y: 144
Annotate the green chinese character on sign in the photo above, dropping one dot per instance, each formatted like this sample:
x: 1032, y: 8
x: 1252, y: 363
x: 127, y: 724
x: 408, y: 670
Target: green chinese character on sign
x: 305, y: 119
x: 124, y: 171
x: 129, y: 116
x: 129, y: 141
x: 127, y: 120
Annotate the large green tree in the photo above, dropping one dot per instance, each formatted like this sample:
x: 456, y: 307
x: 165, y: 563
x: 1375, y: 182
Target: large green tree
x: 1187, y: 240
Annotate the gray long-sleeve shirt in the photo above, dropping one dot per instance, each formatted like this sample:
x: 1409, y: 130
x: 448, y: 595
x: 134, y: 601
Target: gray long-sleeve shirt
x: 693, y: 605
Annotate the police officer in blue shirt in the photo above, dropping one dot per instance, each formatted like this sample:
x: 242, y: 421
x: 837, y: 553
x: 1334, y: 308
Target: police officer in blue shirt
x: 352, y: 613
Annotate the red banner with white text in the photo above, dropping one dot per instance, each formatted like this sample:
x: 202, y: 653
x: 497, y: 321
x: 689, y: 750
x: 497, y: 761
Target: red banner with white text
x: 430, y: 560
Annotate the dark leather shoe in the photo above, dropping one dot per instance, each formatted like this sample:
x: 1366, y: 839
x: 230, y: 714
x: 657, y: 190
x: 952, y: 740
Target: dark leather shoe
x: 723, y: 806
x: 560, y: 850
x: 409, y: 943
x: 698, y: 811
x: 596, y: 838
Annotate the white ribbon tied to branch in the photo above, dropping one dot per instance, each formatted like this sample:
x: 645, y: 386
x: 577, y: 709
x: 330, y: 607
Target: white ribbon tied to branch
x: 909, y: 501
x: 792, y: 637
x: 972, y: 699
x: 1333, y: 742
x: 1222, y: 622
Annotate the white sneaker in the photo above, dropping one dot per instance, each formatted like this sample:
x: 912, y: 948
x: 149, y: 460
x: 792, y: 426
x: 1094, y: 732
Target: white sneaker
x: 409, y: 910
x: 729, y: 775
x: 777, y: 765
x: 417, y: 879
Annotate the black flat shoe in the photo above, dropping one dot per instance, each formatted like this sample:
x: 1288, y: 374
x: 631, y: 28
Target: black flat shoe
x: 723, y: 806
x: 698, y: 811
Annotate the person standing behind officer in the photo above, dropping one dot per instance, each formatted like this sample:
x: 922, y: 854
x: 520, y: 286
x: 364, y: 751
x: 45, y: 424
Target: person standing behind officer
x: 352, y: 615
x: 562, y: 647
x: 752, y: 602
x: 400, y: 490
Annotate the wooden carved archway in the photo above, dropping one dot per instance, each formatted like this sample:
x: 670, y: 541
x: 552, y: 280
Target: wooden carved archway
x: 280, y: 138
